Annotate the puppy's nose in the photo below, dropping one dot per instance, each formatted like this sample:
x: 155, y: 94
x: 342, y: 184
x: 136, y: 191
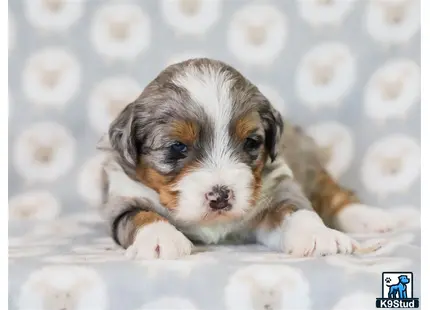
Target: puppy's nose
x: 219, y: 198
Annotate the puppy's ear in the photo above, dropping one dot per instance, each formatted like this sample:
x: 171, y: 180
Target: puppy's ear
x: 273, y: 126
x: 122, y: 136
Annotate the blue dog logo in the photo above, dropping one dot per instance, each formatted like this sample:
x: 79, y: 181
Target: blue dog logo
x: 399, y: 290
x: 397, y: 295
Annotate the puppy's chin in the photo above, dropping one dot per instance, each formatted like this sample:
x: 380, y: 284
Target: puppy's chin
x: 212, y: 217
x: 208, y: 217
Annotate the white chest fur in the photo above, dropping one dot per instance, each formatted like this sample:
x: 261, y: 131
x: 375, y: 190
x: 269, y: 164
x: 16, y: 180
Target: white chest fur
x: 216, y: 233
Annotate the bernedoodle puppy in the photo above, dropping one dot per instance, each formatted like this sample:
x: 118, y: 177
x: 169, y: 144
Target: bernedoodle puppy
x: 201, y: 156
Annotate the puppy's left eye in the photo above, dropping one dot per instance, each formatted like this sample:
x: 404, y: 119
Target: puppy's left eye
x: 252, y: 144
x: 178, y: 150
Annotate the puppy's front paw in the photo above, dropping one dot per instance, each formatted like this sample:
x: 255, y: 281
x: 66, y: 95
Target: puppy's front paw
x: 359, y: 218
x: 306, y: 235
x: 159, y: 240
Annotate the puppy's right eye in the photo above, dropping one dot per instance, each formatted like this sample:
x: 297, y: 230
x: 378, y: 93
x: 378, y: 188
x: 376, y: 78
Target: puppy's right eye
x: 252, y: 144
x: 178, y: 150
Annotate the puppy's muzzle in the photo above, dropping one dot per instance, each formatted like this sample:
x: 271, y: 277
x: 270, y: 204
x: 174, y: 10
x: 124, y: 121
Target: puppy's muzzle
x: 220, y: 198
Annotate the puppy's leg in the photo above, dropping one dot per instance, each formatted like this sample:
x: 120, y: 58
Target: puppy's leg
x: 143, y: 233
x: 290, y: 224
x: 341, y: 209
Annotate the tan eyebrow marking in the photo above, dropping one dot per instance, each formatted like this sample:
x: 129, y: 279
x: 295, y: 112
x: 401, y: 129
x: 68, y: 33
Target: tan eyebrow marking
x: 185, y: 131
x: 246, y: 125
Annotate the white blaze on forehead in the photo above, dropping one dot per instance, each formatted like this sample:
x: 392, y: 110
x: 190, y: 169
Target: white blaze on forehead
x: 211, y: 89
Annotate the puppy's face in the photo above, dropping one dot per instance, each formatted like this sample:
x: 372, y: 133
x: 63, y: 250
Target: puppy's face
x: 200, y: 135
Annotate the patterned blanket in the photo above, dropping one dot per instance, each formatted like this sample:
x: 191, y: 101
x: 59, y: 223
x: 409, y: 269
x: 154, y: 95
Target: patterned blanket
x: 70, y: 263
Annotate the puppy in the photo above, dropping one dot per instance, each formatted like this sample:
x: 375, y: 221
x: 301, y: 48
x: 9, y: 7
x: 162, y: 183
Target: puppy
x: 201, y: 156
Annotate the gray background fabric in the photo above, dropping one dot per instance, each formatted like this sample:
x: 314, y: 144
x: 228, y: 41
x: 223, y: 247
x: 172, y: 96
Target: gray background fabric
x: 64, y: 53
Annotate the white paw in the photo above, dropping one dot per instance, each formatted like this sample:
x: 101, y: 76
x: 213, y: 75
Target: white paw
x: 359, y: 218
x: 159, y: 240
x: 306, y: 235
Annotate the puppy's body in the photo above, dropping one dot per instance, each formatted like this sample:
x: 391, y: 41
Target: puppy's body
x: 203, y: 156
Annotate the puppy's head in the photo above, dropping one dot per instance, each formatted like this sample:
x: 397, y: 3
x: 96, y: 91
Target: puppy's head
x: 200, y: 135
